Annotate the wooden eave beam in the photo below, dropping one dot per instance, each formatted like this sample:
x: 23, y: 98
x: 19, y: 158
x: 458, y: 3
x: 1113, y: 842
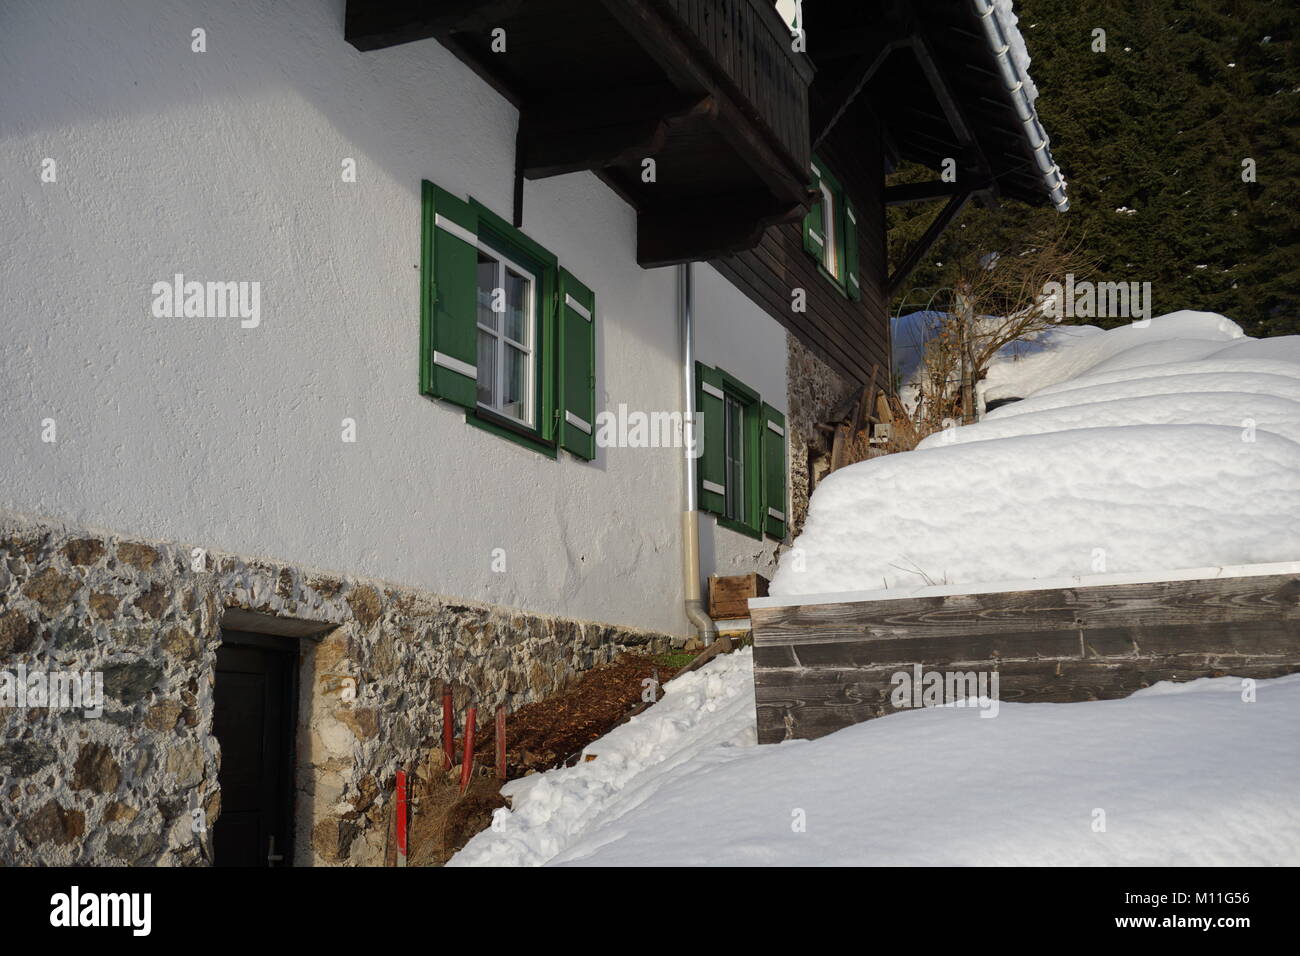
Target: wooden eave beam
x: 925, y: 192
x: 693, y: 230
x: 854, y: 81
x: 377, y: 24
x: 961, y: 128
x: 563, y: 137
x: 914, y: 256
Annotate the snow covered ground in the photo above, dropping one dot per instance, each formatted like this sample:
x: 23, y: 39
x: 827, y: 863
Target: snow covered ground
x: 1149, y: 449
x: 704, y: 718
x: 1140, y: 449
x: 1177, y: 774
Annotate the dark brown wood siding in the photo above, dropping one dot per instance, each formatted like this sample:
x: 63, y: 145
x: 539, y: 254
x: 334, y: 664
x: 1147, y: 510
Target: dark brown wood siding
x: 851, y: 336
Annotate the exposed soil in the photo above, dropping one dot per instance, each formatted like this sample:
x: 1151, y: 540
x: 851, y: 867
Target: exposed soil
x: 543, y: 735
x: 539, y: 737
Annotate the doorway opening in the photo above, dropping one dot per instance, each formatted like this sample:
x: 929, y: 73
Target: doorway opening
x: 255, y: 718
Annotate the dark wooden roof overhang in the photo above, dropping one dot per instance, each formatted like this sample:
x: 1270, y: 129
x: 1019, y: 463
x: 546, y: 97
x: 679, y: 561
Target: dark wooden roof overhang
x: 708, y: 89
x: 933, y: 82
x: 927, y: 74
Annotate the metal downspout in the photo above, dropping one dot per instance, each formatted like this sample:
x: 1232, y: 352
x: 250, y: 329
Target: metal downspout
x: 695, y: 611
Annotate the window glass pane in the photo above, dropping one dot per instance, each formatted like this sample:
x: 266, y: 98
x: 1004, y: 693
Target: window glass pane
x: 487, y: 367
x: 487, y: 284
x: 829, y: 255
x: 733, y: 422
x: 517, y: 288
x: 514, y: 401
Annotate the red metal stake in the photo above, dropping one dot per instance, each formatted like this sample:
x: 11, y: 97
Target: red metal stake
x: 467, y: 765
x: 501, y: 741
x: 448, y: 730
x: 401, y: 818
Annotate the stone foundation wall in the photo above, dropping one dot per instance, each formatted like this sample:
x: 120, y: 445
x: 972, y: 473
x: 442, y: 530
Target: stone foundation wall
x: 123, y: 788
x: 815, y: 389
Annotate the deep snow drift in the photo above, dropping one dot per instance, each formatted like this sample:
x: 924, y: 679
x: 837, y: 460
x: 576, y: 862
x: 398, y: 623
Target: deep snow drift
x: 1140, y: 449
x: 1182, y: 774
x: 1159, y: 448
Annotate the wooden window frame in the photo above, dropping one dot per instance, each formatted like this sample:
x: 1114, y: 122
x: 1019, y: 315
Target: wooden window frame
x: 560, y: 394
x: 833, y: 245
x: 529, y: 348
x: 500, y: 239
x: 751, y: 492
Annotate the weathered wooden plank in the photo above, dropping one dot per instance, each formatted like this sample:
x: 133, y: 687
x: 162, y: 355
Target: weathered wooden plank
x: 1190, y: 603
x: 729, y: 594
x: 1235, y: 638
x: 1015, y: 645
x: 910, y: 618
x: 819, y: 668
x: 805, y: 703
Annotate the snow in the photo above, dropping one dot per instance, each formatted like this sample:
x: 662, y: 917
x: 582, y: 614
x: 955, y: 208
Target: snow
x: 1016, y: 42
x: 1135, y: 451
x: 1066, y: 351
x: 909, y: 333
x: 1147, y: 448
x: 1185, y: 774
x: 701, y: 720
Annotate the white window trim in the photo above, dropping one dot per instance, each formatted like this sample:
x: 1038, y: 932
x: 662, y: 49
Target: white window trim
x: 530, y: 321
x: 830, y: 248
x: 737, y: 463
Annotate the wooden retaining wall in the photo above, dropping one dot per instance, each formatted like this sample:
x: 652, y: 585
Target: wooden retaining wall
x: 819, y: 667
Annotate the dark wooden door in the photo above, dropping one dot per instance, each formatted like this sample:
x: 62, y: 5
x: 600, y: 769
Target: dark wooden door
x: 255, y: 710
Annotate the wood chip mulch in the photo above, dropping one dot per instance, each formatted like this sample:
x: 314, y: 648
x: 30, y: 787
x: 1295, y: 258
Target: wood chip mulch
x: 543, y: 735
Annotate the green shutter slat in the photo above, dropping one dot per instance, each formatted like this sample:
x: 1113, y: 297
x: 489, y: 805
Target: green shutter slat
x: 775, y: 507
x: 711, y: 466
x: 448, y: 307
x: 813, y: 222
x: 851, y: 281
x: 577, y: 367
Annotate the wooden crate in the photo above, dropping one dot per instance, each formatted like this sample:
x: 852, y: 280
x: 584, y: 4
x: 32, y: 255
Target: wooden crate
x: 729, y: 594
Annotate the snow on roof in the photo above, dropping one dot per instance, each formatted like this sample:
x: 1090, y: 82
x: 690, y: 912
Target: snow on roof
x: 1008, y: 46
x: 1140, y: 449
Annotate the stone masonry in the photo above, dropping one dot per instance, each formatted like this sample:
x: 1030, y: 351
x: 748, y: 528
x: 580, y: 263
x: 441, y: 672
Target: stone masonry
x: 121, y: 789
x: 815, y: 389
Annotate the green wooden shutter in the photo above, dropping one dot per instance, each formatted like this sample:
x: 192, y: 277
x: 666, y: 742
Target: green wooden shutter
x: 711, y: 467
x: 813, y: 239
x: 576, y: 413
x: 851, y: 285
x: 774, y: 473
x: 448, y: 298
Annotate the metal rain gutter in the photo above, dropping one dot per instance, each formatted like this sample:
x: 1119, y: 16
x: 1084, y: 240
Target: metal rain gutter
x: 691, y: 584
x: 1015, y: 85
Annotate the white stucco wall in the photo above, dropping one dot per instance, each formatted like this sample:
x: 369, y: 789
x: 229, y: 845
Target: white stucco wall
x: 225, y: 165
x: 734, y: 334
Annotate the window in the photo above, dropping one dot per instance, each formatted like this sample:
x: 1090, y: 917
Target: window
x: 734, y: 430
x: 505, y: 332
x: 506, y: 316
x: 830, y: 233
x: 742, y: 467
x: 830, y: 251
